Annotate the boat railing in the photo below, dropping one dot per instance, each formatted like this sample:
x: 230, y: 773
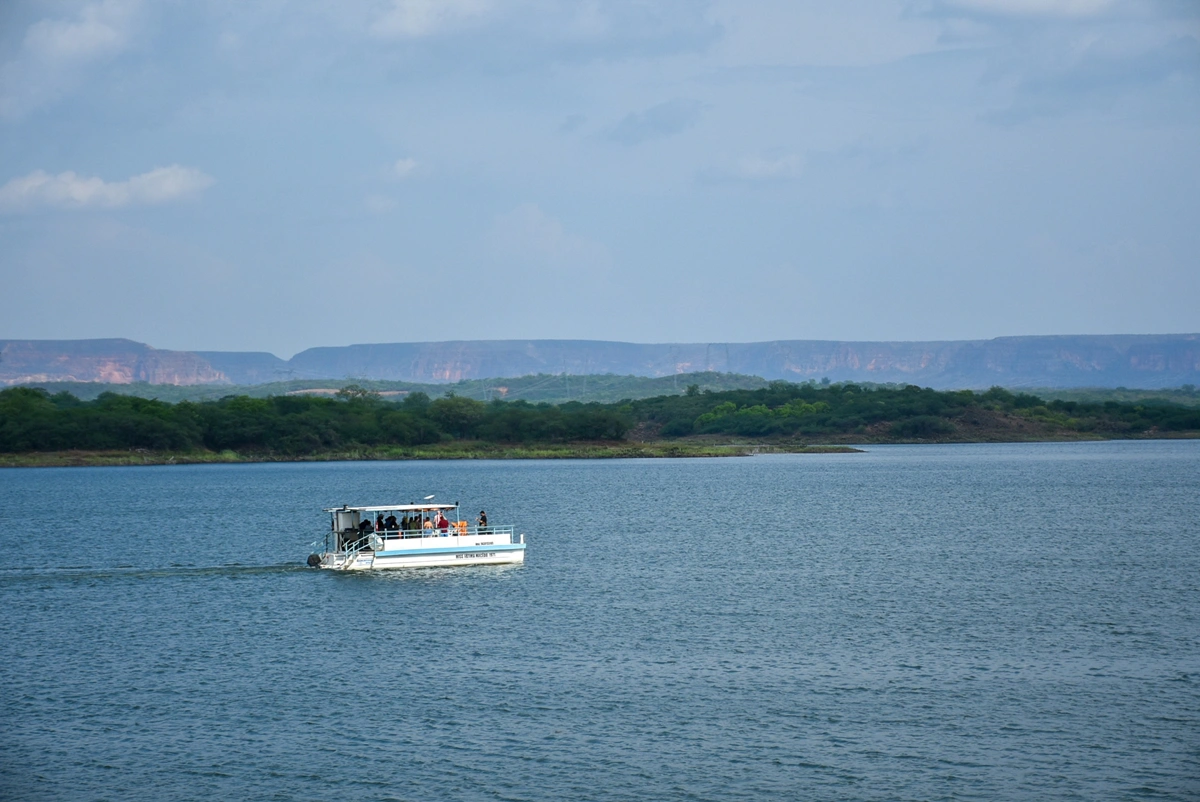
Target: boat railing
x: 452, y: 535
x: 348, y: 545
x: 470, y: 531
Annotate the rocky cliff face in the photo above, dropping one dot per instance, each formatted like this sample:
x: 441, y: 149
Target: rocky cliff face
x: 1147, y: 361
x: 253, y: 367
x: 113, y: 361
x: 1129, y: 360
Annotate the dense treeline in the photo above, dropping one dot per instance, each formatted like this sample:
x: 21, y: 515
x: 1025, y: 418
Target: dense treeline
x: 910, y: 412
x: 33, y: 420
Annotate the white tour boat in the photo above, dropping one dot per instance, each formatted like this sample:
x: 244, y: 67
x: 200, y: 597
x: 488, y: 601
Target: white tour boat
x: 411, y: 536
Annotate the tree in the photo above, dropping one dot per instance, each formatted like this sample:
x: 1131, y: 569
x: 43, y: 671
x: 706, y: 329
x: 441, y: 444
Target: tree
x: 457, y: 415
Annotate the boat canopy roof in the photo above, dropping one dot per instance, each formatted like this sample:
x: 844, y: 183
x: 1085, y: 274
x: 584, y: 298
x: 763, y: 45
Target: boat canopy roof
x: 395, y: 508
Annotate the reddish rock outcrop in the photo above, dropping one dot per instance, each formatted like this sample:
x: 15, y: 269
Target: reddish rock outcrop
x: 112, y: 361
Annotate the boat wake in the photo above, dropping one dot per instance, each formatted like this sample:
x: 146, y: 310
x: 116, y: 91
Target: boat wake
x: 87, y: 572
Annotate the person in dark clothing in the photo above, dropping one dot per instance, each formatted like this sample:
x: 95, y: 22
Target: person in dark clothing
x: 482, y: 521
x: 390, y: 523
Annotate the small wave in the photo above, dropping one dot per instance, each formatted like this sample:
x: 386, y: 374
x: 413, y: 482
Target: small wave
x: 77, y: 572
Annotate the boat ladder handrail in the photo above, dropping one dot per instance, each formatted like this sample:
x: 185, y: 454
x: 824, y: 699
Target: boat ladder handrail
x: 354, y: 549
x: 377, y: 541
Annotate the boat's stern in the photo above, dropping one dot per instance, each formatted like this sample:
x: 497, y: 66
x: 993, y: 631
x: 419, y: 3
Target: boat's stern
x: 342, y: 561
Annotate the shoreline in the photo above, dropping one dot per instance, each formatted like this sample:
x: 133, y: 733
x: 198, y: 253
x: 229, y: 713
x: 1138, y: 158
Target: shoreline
x: 664, y: 449
x: 82, y: 459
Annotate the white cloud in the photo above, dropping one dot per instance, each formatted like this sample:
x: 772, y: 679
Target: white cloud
x: 408, y: 19
x: 756, y: 168
x: 760, y: 168
x: 403, y: 168
x: 528, y: 233
x: 100, y: 29
x: 379, y: 204
x: 71, y: 191
x: 529, y: 32
x: 845, y: 33
x: 1034, y: 8
x: 55, y: 53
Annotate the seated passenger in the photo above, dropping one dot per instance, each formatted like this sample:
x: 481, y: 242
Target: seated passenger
x: 390, y: 522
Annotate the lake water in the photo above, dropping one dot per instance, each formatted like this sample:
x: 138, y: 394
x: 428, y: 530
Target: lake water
x: 916, y: 622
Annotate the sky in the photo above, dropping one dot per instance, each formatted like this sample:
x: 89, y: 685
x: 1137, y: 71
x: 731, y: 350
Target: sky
x: 283, y: 174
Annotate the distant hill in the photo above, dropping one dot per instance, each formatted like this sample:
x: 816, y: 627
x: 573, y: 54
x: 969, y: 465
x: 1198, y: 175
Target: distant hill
x: 1136, y: 361
x: 114, y: 361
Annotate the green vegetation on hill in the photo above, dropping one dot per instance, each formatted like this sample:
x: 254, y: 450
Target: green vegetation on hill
x: 557, y: 389
x: 1188, y: 395
x: 904, y: 413
x: 358, y: 419
x: 541, y: 388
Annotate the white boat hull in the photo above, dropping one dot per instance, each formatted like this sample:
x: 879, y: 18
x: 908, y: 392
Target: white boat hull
x: 430, y: 552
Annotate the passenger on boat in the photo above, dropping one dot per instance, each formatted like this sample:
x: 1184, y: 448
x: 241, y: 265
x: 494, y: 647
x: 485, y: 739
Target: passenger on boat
x: 379, y: 522
x: 390, y: 522
x: 443, y: 523
x: 482, y: 520
x: 428, y: 524
x: 365, y: 526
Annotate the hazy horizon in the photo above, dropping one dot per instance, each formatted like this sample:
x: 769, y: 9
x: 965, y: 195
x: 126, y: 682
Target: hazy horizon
x: 232, y: 177
x: 288, y: 356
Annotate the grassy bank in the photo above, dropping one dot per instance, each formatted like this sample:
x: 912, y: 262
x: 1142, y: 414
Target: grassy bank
x: 458, y: 450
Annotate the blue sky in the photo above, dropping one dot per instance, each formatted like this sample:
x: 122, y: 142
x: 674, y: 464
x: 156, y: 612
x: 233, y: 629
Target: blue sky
x: 291, y: 173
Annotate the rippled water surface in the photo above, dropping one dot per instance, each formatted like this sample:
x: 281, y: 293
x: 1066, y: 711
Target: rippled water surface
x: 926, y: 622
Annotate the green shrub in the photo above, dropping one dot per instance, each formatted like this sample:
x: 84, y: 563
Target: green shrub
x: 922, y: 426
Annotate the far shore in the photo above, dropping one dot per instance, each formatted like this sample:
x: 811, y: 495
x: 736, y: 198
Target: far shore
x: 625, y: 450
x: 652, y: 449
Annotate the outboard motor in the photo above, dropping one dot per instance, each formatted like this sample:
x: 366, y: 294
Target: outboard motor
x: 314, y: 560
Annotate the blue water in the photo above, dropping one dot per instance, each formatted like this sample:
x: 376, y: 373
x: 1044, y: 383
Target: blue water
x: 917, y: 622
